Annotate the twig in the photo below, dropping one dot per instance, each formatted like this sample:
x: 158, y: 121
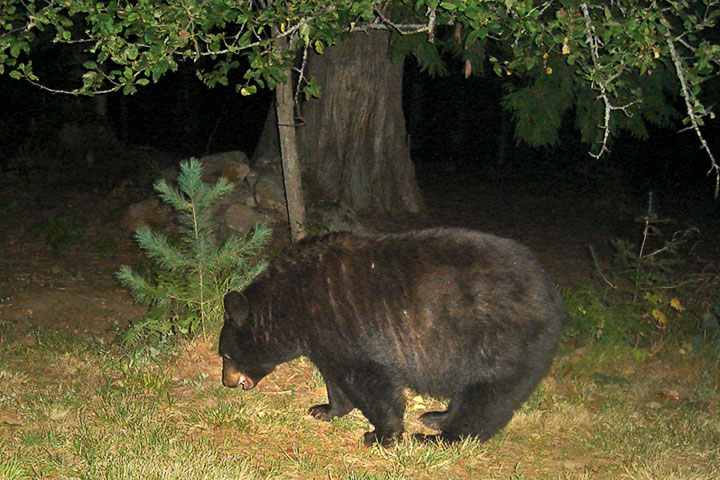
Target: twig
x: 302, y: 80
x: 403, y: 29
x: 596, y: 262
x: 212, y: 134
x: 593, y: 43
x: 76, y: 91
x: 601, y: 83
x: 687, y: 96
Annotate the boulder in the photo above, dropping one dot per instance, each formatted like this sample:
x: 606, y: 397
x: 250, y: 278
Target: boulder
x: 233, y: 165
x: 269, y: 192
x: 241, y: 219
x: 145, y: 213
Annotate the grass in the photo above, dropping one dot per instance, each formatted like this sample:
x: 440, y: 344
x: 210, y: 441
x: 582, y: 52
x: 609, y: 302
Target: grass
x: 74, y: 407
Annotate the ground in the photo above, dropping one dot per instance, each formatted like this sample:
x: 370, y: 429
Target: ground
x: 602, y: 413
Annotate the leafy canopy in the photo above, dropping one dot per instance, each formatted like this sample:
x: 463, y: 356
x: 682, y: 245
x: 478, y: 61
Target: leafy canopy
x: 615, y: 61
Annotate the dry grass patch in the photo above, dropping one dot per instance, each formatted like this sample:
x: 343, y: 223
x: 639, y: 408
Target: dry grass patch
x: 73, y: 408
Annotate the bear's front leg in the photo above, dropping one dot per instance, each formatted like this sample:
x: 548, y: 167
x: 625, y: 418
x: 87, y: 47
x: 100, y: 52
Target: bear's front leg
x: 338, y: 404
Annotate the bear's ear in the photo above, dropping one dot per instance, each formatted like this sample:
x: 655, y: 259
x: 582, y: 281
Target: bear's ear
x: 236, y: 307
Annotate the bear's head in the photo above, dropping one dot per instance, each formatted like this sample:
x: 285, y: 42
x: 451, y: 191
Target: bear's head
x: 246, y: 358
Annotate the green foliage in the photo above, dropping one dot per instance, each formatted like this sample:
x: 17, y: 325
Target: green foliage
x: 620, y: 64
x: 426, y: 54
x: 190, y: 278
x: 135, y: 43
x: 538, y: 109
x: 598, y: 316
x: 650, y: 292
x: 649, y: 268
x: 12, y: 469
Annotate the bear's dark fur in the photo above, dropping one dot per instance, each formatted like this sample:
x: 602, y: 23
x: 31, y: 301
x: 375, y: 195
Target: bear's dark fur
x: 446, y: 312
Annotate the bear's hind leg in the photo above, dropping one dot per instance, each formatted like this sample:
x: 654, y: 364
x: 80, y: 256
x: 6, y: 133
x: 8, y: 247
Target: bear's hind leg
x: 379, y: 399
x: 338, y: 404
x: 480, y: 411
x: 434, y: 419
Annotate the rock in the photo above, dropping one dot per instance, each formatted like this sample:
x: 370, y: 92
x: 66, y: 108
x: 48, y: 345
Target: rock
x: 244, y: 197
x: 241, y: 218
x: 234, y: 156
x: 169, y: 174
x: 331, y: 217
x: 235, y: 172
x: 270, y: 192
x: 269, y: 162
x: 232, y: 165
x: 144, y: 214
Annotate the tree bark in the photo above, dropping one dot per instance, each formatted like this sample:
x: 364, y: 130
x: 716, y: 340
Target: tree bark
x: 285, y: 111
x: 353, y: 144
x: 290, y: 163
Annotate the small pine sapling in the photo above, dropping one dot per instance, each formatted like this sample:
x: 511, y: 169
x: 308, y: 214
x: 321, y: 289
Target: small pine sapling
x: 652, y: 291
x: 191, y: 277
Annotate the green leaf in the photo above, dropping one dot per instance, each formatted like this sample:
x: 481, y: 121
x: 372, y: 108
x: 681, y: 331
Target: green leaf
x: 131, y: 52
x: 89, y: 78
x: 474, y: 35
x: 15, y: 49
x: 450, y: 6
x: 312, y: 89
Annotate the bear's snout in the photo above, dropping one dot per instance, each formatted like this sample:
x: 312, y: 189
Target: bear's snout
x: 232, y: 377
x: 230, y: 382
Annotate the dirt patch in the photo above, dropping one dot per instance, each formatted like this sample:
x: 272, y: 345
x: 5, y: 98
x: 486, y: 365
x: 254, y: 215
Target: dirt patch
x: 79, y: 309
x: 199, y: 360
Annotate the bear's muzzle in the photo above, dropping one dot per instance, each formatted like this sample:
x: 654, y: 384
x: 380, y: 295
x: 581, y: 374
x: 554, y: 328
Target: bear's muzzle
x: 232, y: 377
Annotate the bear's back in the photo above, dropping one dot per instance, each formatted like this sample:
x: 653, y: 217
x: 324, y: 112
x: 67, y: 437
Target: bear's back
x: 431, y: 305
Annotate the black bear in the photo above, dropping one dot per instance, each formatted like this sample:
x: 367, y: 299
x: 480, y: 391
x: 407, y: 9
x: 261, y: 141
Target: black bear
x: 447, y: 312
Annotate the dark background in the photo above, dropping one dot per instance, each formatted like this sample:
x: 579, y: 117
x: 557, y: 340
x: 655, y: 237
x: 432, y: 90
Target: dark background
x: 457, y: 130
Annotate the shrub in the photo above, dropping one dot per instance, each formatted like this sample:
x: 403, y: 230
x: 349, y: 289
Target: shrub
x: 189, y: 280
x: 649, y: 293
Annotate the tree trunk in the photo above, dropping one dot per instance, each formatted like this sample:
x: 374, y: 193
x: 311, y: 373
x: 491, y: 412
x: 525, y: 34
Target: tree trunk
x: 290, y: 164
x: 353, y: 145
x: 285, y: 111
